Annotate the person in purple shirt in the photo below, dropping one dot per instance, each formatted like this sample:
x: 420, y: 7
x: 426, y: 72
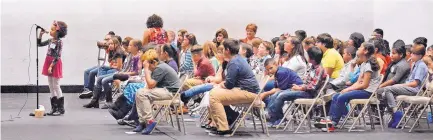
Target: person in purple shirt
x: 169, y: 56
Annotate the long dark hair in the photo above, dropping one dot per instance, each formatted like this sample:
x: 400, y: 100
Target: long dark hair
x: 281, y: 47
x: 297, y: 49
x: 171, y: 51
x: 372, y: 60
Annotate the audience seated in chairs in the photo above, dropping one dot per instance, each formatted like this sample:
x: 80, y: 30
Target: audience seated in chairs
x: 91, y: 73
x: 410, y: 87
x: 102, y: 87
x: 367, y: 83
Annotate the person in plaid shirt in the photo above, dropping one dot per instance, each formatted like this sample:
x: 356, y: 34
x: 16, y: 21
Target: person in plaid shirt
x: 314, y: 80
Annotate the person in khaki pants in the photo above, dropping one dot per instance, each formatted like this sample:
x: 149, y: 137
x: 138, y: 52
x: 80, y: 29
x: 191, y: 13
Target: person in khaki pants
x: 240, y: 86
x: 161, y: 83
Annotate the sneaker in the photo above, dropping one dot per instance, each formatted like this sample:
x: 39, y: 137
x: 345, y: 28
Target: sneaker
x: 139, y: 128
x: 396, y: 117
x: 86, y: 91
x: 226, y: 133
x: 150, y: 126
x: 210, y: 129
x: 121, y: 122
x: 323, y: 123
x: 131, y: 123
x: 86, y: 94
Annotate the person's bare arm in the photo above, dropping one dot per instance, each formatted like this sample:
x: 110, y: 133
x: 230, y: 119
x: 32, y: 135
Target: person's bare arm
x: 146, y: 36
x: 329, y: 71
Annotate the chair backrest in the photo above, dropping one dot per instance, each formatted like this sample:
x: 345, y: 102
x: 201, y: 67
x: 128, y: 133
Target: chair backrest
x: 321, y: 91
x: 374, y: 94
x: 422, y: 92
x: 178, y: 91
x: 262, y: 82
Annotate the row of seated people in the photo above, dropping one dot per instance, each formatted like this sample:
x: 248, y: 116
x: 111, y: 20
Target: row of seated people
x: 298, y: 68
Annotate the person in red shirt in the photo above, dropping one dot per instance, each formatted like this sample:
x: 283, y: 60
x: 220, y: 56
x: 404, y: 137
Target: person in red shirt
x: 203, y: 69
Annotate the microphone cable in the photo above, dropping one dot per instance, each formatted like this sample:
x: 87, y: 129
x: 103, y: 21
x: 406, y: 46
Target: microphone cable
x: 28, y: 82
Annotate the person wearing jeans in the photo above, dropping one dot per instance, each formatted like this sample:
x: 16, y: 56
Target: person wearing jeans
x: 367, y: 83
x: 91, y: 73
x: 105, y: 75
x: 338, y: 106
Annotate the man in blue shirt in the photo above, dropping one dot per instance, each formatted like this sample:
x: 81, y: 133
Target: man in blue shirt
x: 411, y: 87
x: 240, y: 86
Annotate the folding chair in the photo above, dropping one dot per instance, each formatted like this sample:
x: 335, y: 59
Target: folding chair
x: 419, y: 101
x: 165, y: 105
x: 366, y: 103
x: 404, y: 98
x: 299, y: 106
x: 247, y: 109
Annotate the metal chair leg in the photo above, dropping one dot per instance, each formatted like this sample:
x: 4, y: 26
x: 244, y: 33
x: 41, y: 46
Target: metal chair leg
x: 380, y: 116
x: 404, y: 116
x: 287, y: 112
x: 293, y: 115
x: 417, y: 119
x: 182, y: 119
x: 352, y: 109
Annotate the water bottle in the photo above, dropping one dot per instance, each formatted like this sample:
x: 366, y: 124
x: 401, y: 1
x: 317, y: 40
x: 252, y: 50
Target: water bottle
x: 429, y: 116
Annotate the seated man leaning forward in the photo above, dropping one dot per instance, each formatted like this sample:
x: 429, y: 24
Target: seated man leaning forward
x: 240, y: 86
x: 161, y: 83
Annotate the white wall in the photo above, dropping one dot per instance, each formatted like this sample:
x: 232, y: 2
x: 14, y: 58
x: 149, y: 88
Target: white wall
x: 90, y: 20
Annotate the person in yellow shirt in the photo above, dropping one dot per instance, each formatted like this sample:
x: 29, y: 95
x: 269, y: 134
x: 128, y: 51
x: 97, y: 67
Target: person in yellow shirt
x: 332, y: 60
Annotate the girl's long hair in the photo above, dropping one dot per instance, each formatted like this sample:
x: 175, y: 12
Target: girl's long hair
x: 297, y: 50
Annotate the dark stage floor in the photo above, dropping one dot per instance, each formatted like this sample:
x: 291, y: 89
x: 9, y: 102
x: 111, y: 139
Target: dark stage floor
x: 97, y: 124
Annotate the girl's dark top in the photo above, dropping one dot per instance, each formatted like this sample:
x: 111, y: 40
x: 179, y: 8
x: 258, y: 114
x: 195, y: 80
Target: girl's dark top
x: 54, y: 48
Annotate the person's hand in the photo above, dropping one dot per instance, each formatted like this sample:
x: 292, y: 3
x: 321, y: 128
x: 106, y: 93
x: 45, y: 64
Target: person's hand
x: 348, y: 83
x: 50, y: 70
x: 344, y: 90
x: 145, y: 65
x: 207, y: 80
x: 262, y: 96
x: 296, y: 87
x: 42, y: 32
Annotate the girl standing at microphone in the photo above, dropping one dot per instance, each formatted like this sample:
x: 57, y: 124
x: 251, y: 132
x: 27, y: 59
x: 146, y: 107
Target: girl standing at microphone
x: 53, y: 65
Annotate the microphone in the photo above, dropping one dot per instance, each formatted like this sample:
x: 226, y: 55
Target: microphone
x: 42, y: 29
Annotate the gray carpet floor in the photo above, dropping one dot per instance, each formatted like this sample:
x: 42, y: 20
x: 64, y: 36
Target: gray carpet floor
x: 96, y: 124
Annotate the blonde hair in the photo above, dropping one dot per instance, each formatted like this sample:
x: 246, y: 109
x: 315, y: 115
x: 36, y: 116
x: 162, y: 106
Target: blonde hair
x: 209, y: 49
x: 150, y: 55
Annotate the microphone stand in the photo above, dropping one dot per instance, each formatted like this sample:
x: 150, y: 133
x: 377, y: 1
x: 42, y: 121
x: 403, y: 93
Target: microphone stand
x: 37, y: 73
